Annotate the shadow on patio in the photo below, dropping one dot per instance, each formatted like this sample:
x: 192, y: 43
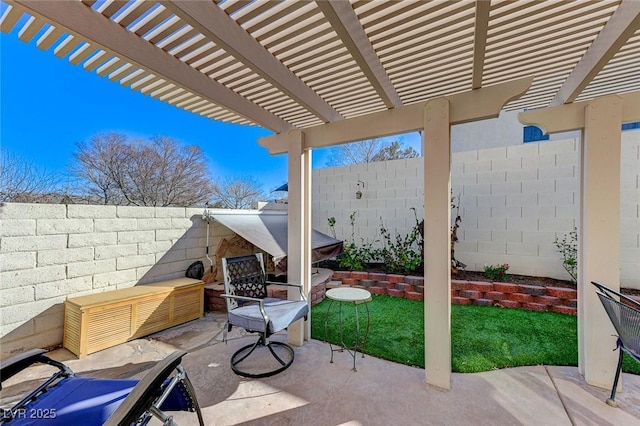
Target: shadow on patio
x: 315, y: 392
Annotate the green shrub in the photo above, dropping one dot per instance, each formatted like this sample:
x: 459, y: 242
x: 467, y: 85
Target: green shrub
x: 354, y: 257
x: 568, y: 247
x: 400, y: 256
x: 496, y: 272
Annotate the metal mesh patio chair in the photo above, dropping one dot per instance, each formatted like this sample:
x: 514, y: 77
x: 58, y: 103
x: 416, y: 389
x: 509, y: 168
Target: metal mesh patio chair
x: 67, y: 399
x: 624, y: 313
x: 249, y: 308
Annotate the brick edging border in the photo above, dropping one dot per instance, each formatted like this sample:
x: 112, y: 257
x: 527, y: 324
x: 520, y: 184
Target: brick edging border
x: 481, y: 293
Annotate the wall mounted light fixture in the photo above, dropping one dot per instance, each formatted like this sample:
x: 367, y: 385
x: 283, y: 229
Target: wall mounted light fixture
x: 359, y: 192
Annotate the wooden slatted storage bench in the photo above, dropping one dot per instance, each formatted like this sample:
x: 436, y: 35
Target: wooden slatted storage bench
x: 99, y: 321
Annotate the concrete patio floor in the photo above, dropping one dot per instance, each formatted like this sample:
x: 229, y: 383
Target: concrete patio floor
x: 314, y: 392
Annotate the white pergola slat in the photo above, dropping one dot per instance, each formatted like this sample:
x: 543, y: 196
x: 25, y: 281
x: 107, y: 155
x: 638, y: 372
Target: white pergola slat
x: 83, y: 22
x: 216, y: 25
x: 321, y: 73
x: 308, y: 55
x: 624, y: 22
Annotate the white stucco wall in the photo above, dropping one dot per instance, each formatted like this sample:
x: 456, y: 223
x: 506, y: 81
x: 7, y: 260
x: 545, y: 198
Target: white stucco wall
x: 51, y: 252
x: 514, y: 201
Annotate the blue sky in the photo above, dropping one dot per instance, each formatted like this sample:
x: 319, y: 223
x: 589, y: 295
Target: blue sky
x: 47, y: 105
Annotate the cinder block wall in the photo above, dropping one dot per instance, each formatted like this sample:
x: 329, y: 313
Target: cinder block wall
x: 51, y: 252
x: 515, y: 201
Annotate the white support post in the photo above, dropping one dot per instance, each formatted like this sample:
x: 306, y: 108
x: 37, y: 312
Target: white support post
x: 599, y: 236
x: 308, y: 230
x: 299, y: 231
x: 436, y: 143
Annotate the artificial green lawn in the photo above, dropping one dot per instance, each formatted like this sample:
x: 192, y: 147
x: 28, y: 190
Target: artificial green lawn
x: 482, y: 338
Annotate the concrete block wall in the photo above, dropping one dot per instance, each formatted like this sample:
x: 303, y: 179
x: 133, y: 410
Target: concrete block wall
x: 630, y: 210
x: 51, y: 252
x: 515, y: 200
x: 391, y: 189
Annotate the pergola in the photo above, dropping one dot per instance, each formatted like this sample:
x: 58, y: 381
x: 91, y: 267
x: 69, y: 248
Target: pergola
x: 329, y: 72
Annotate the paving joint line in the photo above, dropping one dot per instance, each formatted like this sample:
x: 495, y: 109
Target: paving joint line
x: 564, y: 405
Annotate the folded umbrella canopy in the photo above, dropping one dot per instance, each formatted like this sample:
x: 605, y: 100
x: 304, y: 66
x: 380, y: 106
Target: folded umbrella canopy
x: 269, y: 232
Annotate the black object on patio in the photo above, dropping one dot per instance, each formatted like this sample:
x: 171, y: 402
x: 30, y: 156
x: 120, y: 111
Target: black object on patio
x: 624, y: 313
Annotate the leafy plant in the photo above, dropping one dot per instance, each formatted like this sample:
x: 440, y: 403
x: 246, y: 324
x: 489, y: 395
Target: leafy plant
x: 332, y: 224
x: 419, y: 227
x: 496, y: 272
x: 455, y: 263
x: 400, y: 256
x: 354, y: 257
x: 568, y: 248
x: 455, y: 210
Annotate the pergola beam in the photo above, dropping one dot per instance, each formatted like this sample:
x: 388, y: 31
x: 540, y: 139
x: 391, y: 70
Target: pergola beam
x: 480, y: 41
x: 624, y: 22
x: 346, y: 24
x: 81, y: 21
x: 207, y: 18
x: 565, y: 118
x: 468, y: 106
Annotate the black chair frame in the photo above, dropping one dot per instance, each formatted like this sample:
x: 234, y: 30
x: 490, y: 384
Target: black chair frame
x: 624, y: 313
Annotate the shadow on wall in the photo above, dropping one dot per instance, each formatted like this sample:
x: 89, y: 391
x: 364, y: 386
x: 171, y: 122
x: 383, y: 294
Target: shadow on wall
x: 42, y: 331
x: 182, y: 252
x: 166, y: 257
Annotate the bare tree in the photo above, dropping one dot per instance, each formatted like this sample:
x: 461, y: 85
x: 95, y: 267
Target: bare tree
x: 368, y: 151
x: 237, y: 193
x: 22, y: 181
x: 394, y: 151
x: 159, y: 172
x: 98, y: 165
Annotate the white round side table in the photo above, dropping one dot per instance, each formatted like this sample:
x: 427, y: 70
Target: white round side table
x: 353, y: 296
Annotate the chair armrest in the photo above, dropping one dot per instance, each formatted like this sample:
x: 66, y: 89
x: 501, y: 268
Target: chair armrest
x: 298, y: 286
x: 15, y: 364
x: 265, y: 317
x: 606, y: 291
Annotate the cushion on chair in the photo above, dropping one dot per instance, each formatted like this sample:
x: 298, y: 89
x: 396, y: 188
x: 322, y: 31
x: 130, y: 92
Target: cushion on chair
x: 281, y: 313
